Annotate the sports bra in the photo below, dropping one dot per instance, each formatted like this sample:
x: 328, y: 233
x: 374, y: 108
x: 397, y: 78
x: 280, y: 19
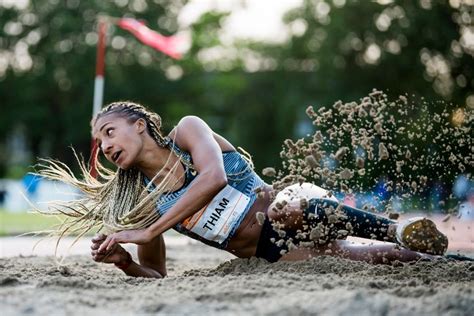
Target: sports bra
x: 216, y: 223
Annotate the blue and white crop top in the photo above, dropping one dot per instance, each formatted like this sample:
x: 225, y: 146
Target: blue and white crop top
x: 216, y: 223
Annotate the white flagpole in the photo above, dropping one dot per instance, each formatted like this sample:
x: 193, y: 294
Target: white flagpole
x: 98, y: 85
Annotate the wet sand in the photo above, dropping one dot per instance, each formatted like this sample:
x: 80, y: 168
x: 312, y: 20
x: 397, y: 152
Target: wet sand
x: 206, y: 281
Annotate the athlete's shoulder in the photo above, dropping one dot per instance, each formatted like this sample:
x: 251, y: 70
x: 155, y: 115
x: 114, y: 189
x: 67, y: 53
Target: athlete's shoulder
x: 192, y: 127
x: 188, y: 125
x: 191, y: 132
x: 192, y: 121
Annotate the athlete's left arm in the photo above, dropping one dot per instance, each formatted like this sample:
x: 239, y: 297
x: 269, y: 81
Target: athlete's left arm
x: 196, y: 137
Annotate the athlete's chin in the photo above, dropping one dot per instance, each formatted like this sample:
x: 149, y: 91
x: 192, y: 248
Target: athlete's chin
x: 124, y: 166
x: 122, y: 162
x: 126, y: 161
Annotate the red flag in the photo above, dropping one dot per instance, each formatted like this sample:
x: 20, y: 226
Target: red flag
x: 168, y: 45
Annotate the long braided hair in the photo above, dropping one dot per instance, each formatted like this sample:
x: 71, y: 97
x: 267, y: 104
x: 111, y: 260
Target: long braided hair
x: 117, y: 200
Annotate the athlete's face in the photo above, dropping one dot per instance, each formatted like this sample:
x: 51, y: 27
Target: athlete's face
x: 119, y: 140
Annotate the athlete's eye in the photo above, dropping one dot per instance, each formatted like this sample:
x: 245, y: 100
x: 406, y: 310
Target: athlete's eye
x: 109, y: 131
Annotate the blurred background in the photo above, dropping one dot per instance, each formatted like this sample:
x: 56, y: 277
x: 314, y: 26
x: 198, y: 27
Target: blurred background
x: 250, y: 69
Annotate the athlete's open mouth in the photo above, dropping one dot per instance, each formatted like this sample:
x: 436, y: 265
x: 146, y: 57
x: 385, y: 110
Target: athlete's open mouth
x: 116, y: 156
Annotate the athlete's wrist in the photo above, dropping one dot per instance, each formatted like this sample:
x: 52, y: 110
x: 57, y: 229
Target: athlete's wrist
x: 125, y: 263
x: 154, y: 230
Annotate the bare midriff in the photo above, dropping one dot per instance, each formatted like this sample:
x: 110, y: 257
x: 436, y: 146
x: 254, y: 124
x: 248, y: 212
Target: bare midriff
x: 245, y: 240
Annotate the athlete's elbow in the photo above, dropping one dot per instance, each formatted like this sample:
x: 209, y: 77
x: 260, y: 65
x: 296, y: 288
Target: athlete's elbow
x: 220, y: 180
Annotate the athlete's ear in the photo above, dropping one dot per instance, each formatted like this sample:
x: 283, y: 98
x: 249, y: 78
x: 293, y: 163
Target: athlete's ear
x: 140, y: 125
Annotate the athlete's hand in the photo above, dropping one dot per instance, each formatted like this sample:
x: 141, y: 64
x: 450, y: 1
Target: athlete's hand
x: 137, y: 236
x: 116, y: 255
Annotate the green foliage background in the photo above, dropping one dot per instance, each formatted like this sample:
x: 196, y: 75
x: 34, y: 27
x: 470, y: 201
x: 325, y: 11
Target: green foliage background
x: 418, y: 44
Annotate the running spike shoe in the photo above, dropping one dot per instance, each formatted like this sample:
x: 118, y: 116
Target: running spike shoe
x: 420, y: 234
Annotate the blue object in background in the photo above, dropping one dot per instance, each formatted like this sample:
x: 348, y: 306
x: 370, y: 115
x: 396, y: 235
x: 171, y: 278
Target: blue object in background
x: 31, y: 183
x: 461, y: 186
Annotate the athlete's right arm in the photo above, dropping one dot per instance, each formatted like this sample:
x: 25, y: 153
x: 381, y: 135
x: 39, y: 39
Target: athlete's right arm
x: 151, y: 257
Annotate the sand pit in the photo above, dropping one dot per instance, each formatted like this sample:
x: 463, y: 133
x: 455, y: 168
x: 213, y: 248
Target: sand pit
x: 203, y: 280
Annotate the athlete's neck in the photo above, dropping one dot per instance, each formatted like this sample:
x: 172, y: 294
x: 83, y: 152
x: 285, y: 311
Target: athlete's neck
x: 153, y: 158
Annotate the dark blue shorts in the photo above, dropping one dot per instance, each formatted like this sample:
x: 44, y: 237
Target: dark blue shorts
x: 267, y: 248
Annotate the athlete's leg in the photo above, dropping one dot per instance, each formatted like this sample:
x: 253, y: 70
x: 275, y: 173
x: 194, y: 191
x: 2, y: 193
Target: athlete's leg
x: 377, y: 254
x: 338, y: 220
x: 341, y: 220
x: 305, y: 206
x: 312, y: 209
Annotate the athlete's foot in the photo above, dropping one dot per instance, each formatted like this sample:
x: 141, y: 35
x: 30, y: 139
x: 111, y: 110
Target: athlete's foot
x: 420, y: 234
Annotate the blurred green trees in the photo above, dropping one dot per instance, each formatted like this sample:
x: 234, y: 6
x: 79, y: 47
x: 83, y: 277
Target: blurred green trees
x: 253, y: 93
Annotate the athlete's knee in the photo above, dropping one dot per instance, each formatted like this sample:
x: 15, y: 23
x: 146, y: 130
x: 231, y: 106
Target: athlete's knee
x: 321, y: 208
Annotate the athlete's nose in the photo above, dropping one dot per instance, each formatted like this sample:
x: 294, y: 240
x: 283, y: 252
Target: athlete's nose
x: 106, y: 147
